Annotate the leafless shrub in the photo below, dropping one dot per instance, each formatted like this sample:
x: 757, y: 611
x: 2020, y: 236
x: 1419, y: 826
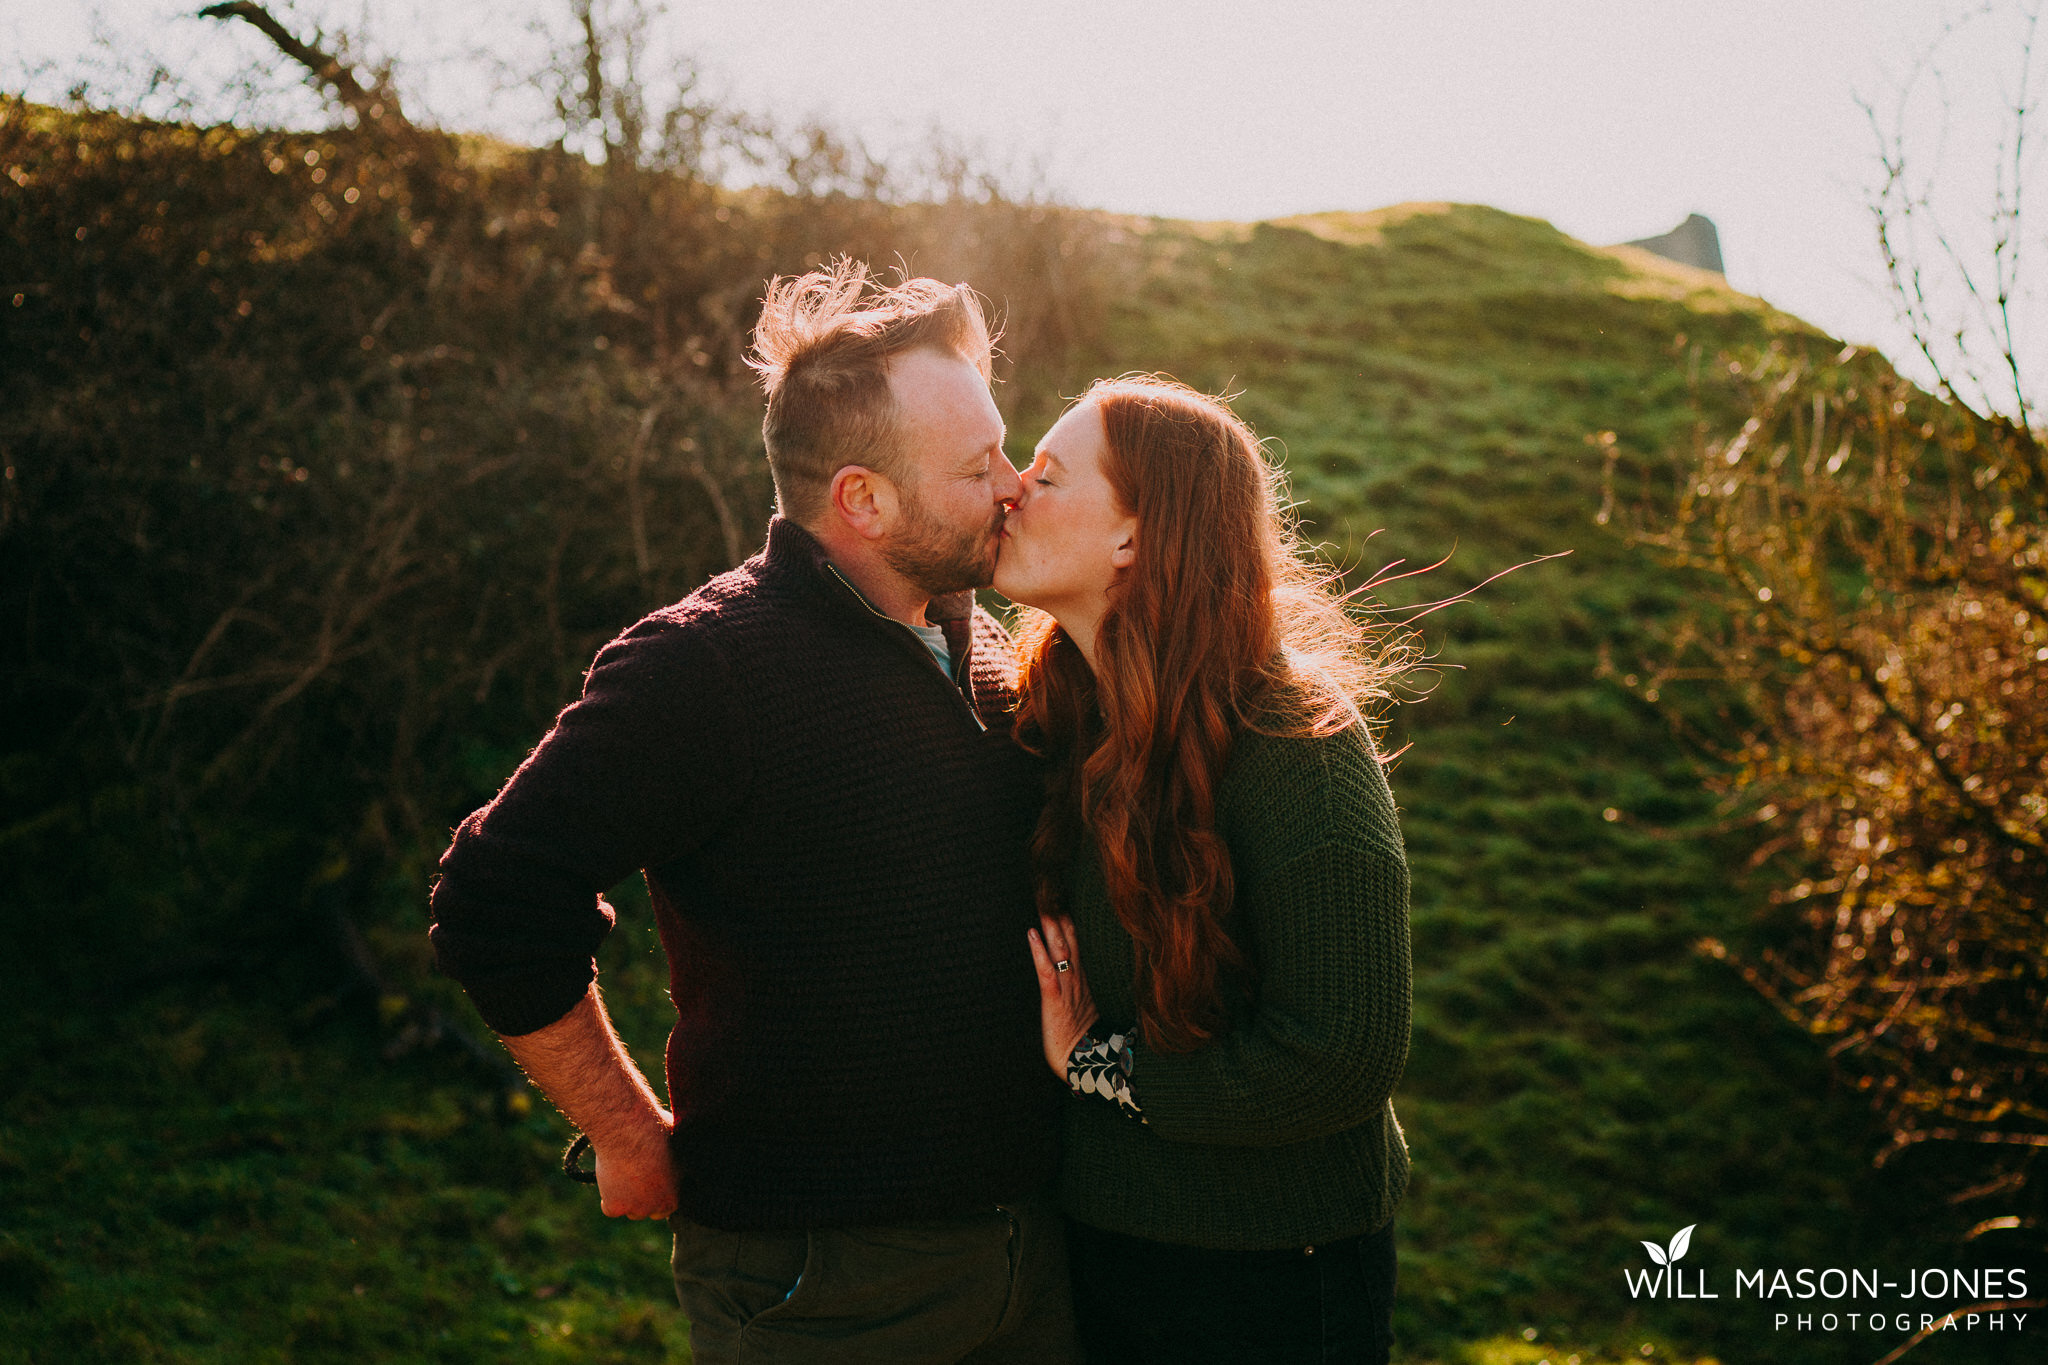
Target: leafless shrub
x: 1874, y: 562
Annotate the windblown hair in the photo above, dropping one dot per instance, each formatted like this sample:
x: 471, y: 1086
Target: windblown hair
x: 822, y: 349
x: 1221, y: 625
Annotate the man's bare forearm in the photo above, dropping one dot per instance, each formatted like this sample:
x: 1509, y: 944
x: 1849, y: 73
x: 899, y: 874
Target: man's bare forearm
x: 579, y: 1063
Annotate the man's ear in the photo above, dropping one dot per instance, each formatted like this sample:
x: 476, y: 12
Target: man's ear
x: 1126, y: 552
x: 864, y: 500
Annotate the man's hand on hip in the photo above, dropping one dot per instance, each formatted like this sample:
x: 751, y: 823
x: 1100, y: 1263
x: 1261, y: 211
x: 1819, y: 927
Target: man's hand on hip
x: 580, y: 1064
x: 636, y: 1176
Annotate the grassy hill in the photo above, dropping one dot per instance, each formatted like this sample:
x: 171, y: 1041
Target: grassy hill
x: 251, y: 1157
x: 1438, y: 378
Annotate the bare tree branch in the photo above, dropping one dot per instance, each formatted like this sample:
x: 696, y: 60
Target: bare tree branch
x: 2005, y: 253
x: 376, y: 108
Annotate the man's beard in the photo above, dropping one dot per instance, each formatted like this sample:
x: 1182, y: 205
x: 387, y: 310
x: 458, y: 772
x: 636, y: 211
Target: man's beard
x: 940, y: 560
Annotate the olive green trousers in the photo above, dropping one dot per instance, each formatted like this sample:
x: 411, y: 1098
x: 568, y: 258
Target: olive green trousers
x: 990, y: 1288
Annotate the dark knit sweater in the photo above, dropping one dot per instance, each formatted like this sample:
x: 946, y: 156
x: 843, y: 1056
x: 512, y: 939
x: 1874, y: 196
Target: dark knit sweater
x: 835, y: 847
x: 1281, y: 1132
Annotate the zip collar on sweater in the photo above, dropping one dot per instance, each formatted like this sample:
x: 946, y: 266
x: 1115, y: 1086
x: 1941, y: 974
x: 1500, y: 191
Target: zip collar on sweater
x: 792, y: 547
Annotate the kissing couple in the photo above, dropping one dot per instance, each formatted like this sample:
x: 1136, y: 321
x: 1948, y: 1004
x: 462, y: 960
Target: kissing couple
x: 1040, y: 991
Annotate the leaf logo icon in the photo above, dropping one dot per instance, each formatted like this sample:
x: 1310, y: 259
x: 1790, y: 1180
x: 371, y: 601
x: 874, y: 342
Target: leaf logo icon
x: 1680, y: 1240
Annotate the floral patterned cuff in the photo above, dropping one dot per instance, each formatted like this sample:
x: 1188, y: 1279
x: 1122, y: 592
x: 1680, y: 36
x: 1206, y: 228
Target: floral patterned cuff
x: 1099, y: 1068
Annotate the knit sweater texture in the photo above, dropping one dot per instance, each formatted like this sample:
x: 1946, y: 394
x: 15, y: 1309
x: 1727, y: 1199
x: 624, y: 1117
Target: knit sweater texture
x: 1280, y: 1132
x: 834, y: 836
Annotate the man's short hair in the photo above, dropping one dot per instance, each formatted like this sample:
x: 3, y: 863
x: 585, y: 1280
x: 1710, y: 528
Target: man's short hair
x: 822, y: 349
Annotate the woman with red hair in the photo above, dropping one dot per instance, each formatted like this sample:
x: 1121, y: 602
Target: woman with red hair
x: 1220, y: 850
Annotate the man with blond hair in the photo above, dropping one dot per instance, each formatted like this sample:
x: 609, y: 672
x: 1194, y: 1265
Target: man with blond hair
x: 809, y: 758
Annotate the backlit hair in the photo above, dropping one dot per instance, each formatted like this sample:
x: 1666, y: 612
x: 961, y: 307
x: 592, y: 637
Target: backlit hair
x: 1219, y: 626
x: 822, y: 349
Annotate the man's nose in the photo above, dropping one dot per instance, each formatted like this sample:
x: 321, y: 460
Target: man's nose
x: 1009, y: 484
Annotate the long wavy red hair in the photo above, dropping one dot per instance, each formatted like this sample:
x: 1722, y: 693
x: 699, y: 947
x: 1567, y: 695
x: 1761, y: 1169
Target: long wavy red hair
x: 1221, y: 625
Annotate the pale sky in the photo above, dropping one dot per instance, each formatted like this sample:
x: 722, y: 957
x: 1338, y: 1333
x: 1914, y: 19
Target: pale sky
x: 1612, y: 119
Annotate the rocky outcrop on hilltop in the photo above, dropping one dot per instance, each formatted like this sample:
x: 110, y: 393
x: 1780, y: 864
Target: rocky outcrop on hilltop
x: 1693, y: 242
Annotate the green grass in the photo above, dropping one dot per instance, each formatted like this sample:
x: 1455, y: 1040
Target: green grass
x: 224, y: 1172
x: 196, y: 1168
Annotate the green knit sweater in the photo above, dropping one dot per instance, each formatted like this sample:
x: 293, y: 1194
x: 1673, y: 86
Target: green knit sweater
x: 1280, y: 1132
